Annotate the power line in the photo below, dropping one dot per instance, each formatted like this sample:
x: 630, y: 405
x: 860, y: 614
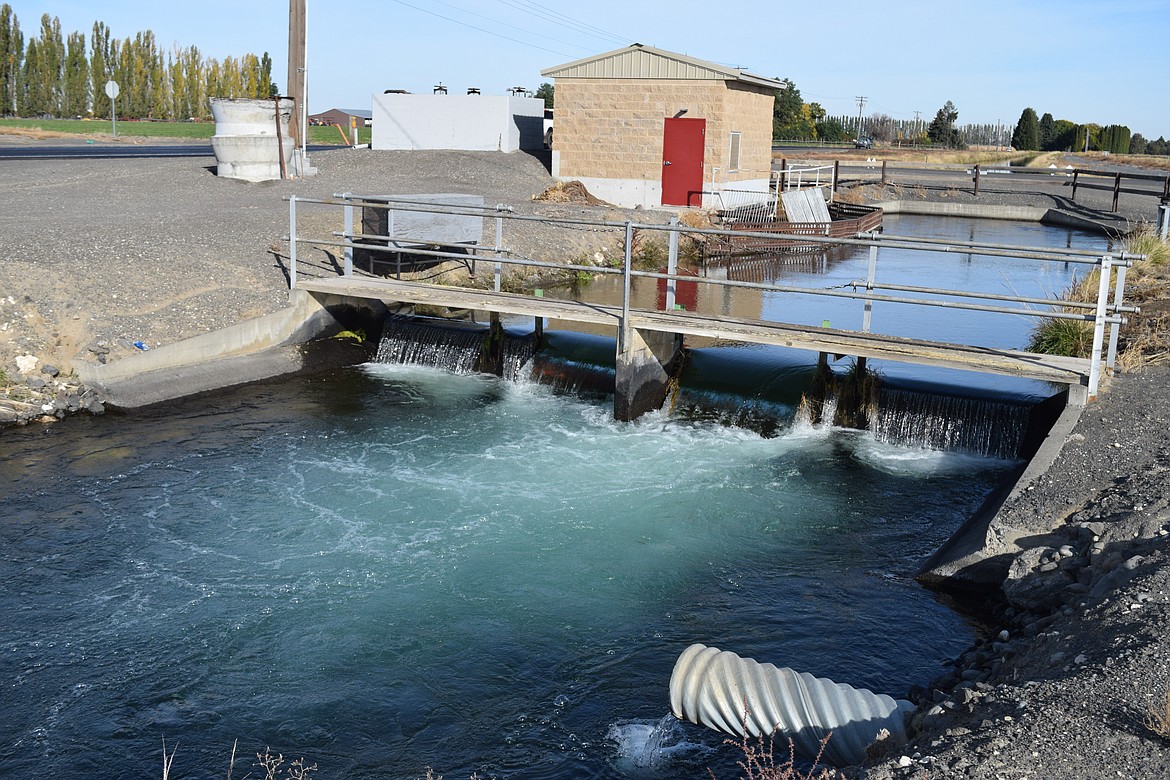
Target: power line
x: 505, y: 24
x: 489, y: 32
x: 559, y: 18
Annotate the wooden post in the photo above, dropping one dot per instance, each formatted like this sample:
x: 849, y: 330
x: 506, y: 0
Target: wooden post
x: 1116, y: 190
x: 883, y: 173
x: 837, y: 175
x: 783, y: 174
x: 976, y: 180
x: 296, y: 61
x: 1075, y: 174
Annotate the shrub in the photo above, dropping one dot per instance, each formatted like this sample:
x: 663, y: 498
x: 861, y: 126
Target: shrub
x: 1158, y: 717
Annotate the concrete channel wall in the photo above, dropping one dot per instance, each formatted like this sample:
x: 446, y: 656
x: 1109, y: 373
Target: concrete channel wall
x: 250, y: 351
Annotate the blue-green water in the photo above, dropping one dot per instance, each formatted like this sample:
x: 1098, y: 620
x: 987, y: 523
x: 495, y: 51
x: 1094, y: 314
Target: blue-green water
x: 392, y: 568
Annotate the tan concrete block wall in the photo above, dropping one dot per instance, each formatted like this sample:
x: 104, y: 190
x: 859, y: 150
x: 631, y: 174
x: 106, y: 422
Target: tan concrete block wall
x: 749, y: 110
x: 612, y: 128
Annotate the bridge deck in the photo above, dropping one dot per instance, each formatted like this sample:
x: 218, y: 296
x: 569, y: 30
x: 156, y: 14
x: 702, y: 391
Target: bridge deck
x: 1062, y: 370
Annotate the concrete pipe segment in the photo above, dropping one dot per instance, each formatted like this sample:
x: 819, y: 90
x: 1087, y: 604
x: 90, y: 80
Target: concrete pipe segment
x: 722, y: 691
x: 248, y: 143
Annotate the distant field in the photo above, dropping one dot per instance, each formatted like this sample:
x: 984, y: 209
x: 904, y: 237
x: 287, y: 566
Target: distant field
x: 100, y: 128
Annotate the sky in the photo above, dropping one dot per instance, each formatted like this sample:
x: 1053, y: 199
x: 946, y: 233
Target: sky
x: 1104, y: 61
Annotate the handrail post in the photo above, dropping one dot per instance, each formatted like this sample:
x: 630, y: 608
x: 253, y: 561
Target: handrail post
x: 626, y: 279
x: 836, y: 174
x: 348, y: 232
x: 497, y: 271
x: 869, y: 280
x: 976, y: 180
x: 1099, y: 326
x: 672, y: 264
x: 292, y: 244
x: 1115, y: 327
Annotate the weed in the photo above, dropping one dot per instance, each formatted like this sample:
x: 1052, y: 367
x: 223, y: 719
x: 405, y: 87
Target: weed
x: 1158, y: 717
x: 297, y: 770
x: 759, y: 760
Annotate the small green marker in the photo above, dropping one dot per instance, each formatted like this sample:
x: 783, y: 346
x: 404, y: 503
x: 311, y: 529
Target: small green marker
x: 539, y: 293
x: 825, y: 324
x: 680, y: 307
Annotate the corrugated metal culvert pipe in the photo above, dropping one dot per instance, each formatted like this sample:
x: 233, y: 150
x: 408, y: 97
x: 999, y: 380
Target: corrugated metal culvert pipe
x: 720, y: 690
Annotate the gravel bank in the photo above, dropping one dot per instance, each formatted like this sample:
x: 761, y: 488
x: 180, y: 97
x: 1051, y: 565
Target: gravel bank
x: 97, y: 256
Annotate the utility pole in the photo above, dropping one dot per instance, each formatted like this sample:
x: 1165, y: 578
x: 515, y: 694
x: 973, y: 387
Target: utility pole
x: 297, y: 80
x: 860, y: 105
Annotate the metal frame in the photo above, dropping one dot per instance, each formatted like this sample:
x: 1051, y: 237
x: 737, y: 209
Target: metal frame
x: 1108, y: 310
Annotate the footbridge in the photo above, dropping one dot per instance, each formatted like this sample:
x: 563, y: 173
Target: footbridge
x: 402, y: 241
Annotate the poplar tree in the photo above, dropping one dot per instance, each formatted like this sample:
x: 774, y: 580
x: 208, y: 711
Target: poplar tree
x: 76, y: 96
x: 100, y: 69
x: 11, y: 59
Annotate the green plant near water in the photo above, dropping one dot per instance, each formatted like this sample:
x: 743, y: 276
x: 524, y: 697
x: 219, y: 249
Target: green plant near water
x: 357, y: 335
x: 1074, y: 338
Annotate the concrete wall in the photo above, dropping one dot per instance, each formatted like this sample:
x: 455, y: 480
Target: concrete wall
x: 609, y: 134
x: 487, y: 123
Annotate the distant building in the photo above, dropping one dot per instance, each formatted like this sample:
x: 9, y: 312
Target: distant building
x: 644, y: 127
x: 341, y: 116
x: 492, y: 123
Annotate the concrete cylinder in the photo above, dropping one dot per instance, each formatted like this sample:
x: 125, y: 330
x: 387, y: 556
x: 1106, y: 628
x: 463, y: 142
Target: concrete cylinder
x: 245, y: 142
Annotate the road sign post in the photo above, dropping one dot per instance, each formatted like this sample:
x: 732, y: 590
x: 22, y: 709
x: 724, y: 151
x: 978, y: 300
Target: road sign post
x: 112, y: 91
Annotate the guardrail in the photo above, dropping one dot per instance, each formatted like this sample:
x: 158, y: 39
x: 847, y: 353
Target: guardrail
x: 1109, y: 308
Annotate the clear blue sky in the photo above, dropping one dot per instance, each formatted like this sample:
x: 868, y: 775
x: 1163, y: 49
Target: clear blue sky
x: 1105, y: 61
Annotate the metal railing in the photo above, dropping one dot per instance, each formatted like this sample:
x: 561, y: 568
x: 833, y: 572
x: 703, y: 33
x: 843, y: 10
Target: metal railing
x: 1108, y: 310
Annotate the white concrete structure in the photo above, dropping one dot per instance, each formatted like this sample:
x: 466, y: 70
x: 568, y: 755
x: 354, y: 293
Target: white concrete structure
x: 486, y: 123
x: 248, y: 140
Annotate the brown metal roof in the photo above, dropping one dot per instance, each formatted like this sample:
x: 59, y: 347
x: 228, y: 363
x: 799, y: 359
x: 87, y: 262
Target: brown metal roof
x: 646, y: 62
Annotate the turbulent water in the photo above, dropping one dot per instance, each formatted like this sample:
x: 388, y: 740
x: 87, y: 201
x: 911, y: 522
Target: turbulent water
x: 395, y: 568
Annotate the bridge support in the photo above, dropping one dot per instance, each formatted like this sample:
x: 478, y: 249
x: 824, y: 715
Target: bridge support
x: 646, y: 363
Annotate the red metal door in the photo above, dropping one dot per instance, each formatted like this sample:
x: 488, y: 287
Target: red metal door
x: 683, y: 141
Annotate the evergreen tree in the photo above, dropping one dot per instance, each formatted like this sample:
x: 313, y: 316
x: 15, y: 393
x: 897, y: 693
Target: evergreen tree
x: 1047, y: 132
x: 1137, y: 144
x: 546, y: 93
x: 48, y: 87
x: 1115, y: 139
x: 1063, y: 136
x: 1027, y: 132
x: 942, y: 128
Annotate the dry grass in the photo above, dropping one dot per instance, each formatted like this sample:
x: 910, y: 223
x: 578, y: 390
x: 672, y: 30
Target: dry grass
x: 759, y: 761
x: 1145, y: 339
x: 1156, y: 162
x: 1158, y: 717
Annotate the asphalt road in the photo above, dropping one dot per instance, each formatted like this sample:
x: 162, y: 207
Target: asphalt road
x: 98, y: 151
